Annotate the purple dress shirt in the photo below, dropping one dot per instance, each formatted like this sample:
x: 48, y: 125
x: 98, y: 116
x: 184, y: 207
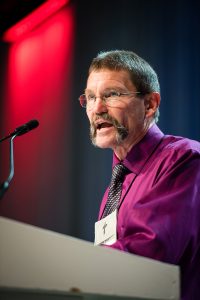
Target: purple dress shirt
x: 159, y: 210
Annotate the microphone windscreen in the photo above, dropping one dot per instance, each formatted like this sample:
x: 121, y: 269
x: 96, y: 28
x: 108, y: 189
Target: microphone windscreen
x: 26, y: 127
x: 32, y: 124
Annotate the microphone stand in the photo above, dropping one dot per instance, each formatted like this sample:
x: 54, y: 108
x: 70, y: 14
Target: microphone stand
x: 5, y: 185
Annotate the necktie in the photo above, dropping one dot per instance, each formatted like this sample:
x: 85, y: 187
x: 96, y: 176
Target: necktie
x: 115, y: 189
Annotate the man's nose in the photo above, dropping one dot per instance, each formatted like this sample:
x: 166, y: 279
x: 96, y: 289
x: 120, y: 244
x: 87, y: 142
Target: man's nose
x: 99, y: 105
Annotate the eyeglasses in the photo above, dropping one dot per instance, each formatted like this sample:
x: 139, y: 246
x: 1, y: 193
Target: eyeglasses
x: 108, y: 98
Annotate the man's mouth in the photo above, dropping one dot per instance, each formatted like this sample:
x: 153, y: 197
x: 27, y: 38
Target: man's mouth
x: 102, y: 123
x: 99, y: 126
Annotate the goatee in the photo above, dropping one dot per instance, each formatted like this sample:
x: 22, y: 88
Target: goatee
x: 121, y: 131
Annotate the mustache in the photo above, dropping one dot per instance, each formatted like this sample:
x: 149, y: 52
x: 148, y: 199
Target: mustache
x: 106, y: 117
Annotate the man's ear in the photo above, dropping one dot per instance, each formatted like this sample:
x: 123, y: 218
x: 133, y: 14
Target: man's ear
x: 152, y: 103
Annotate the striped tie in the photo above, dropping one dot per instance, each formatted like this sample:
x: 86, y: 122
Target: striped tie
x: 115, y: 189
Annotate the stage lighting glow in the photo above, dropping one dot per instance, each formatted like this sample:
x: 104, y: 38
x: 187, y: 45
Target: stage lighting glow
x: 32, y: 20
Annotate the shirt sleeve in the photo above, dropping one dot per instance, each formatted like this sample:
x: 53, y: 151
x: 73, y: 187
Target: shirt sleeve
x: 164, y: 223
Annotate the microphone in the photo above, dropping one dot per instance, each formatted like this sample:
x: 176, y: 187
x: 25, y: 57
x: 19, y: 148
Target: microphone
x: 18, y: 131
x: 26, y: 127
x: 22, y: 129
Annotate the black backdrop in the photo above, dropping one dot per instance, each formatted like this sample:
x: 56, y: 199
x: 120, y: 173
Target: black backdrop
x: 167, y: 35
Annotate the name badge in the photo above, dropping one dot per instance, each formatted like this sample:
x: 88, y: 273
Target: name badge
x: 106, y: 230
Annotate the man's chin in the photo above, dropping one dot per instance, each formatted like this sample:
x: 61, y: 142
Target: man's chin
x: 107, y: 138
x: 102, y: 143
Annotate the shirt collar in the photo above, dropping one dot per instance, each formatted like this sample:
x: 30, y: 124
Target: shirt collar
x: 139, y: 154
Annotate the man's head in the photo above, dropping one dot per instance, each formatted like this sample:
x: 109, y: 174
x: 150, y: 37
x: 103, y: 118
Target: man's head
x: 122, y: 99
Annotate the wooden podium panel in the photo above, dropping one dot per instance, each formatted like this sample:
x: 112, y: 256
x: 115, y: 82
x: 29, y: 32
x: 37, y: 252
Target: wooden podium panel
x: 37, y: 261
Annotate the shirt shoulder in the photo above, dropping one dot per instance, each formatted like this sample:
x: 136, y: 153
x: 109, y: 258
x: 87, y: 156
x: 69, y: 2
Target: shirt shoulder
x: 180, y: 145
x: 175, y: 159
x: 176, y: 153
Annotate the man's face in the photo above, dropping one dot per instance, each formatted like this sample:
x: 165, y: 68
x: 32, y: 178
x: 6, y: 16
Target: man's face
x: 114, y: 124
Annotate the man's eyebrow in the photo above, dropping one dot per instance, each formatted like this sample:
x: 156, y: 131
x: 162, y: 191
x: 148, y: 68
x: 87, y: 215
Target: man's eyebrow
x: 114, y: 87
x: 88, y: 91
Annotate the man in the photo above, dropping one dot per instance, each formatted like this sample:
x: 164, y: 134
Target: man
x: 158, y: 213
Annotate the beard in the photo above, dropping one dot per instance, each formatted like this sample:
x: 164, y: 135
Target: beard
x: 121, y: 131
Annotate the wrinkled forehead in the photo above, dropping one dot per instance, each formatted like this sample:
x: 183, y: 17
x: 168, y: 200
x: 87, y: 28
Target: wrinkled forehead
x: 105, y: 78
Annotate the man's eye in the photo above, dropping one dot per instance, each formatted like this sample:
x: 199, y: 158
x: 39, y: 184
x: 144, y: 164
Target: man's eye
x: 90, y: 98
x: 112, y: 94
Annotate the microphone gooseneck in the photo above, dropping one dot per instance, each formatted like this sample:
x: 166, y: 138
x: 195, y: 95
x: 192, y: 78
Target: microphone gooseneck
x: 18, y: 131
x: 5, y: 185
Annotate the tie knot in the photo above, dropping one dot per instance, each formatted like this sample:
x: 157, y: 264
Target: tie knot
x: 119, y: 171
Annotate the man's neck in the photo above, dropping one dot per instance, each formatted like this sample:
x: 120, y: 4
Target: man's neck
x: 122, y: 150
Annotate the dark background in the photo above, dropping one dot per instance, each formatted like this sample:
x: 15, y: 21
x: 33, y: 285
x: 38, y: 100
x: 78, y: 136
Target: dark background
x: 167, y: 35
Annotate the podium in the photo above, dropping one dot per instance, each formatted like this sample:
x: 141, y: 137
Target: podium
x: 40, y: 264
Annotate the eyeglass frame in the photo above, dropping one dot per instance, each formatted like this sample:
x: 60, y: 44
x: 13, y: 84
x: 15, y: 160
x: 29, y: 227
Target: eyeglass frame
x: 119, y: 94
